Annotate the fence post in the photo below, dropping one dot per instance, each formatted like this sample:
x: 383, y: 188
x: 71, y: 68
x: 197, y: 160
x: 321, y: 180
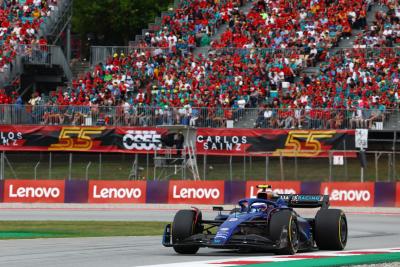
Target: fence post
x: 147, y: 165
x: 100, y: 165
x: 244, y: 168
x: 281, y: 164
x: 266, y: 167
x: 50, y: 164
x: 35, y: 170
x: 376, y: 167
x: 2, y: 166
x: 230, y: 167
x: 87, y: 170
x: 295, y: 166
x: 204, y: 167
x: 389, y: 164
x: 346, y: 173
x: 394, y: 166
x: 70, y: 166
x: 251, y: 165
x: 330, y: 166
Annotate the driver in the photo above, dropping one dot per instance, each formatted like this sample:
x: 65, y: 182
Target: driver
x: 258, y: 206
x: 266, y: 194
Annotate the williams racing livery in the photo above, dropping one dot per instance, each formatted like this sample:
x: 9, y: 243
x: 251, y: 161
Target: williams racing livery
x: 268, y: 222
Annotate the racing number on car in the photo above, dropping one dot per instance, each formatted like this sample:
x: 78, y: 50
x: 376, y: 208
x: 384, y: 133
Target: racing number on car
x: 310, y: 148
x: 76, y: 138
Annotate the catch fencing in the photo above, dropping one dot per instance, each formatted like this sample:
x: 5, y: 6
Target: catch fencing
x: 379, y: 166
x: 137, y: 115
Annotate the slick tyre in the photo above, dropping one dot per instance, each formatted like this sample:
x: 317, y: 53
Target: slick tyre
x: 331, y: 229
x: 279, y: 222
x: 185, y: 224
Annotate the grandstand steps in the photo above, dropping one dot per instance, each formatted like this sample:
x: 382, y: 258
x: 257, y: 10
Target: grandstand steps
x: 393, y: 121
x: 347, y: 42
x: 217, y: 35
x: 79, y: 68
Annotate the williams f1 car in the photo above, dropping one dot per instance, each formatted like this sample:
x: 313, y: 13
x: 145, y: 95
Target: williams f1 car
x: 268, y: 222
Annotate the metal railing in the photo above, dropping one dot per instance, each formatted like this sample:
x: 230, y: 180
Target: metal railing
x: 100, y: 54
x: 46, y: 55
x: 58, y: 12
x: 199, y: 117
x: 10, y: 71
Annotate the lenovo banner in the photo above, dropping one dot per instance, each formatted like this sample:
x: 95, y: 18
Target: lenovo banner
x: 398, y: 194
x: 31, y: 191
x: 350, y: 193
x: 82, y: 138
x: 263, y: 142
x: 196, y: 192
x: 117, y: 192
x: 287, y: 187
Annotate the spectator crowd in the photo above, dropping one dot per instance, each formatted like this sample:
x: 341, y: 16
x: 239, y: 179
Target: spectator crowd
x: 257, y: 63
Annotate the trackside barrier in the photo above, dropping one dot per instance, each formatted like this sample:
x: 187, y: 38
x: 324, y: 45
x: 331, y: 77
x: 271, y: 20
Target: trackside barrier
x: 30, y: 191
x: 117, y: 192
x: 368, y: 194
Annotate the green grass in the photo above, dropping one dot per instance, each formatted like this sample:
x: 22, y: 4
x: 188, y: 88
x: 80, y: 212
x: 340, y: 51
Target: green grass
x: 53, y: 229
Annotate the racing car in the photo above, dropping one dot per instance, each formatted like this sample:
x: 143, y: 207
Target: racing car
x: 267, y: 222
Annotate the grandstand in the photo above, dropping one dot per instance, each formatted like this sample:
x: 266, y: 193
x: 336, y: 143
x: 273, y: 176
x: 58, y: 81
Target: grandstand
x: 263, y: 64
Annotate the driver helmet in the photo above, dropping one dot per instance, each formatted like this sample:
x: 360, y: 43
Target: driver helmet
x: 267, y: 194
x: 258, y: 206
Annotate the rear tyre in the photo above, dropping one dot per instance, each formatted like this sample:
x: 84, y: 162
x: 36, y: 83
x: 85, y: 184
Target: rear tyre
x: 331, y: 229
x: 184, y: 226
x: 285, y: 220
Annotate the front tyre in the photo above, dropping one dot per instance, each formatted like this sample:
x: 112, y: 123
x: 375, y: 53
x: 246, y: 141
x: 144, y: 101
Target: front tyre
x: 185, y: 224
x: 331, y: 229
x: 285, y: 220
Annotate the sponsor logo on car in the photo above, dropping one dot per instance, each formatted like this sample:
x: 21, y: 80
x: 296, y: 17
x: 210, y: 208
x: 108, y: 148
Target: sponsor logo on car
x: 290, y: 187
x: 349, y: 193
x: 117, y: 192
x: 193, y: 192
x: 307, y: 198
x: 34, y: 191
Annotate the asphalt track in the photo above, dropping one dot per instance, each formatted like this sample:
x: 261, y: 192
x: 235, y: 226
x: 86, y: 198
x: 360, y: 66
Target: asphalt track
x: 368, y: 229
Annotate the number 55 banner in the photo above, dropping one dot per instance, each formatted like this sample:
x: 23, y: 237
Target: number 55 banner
x: 263, y: 142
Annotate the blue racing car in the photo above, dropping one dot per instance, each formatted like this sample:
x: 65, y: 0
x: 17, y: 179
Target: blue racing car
x: 268, y: 222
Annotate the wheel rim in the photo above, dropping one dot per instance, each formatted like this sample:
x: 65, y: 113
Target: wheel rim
x: 293, y: 236
x: 343, y: 231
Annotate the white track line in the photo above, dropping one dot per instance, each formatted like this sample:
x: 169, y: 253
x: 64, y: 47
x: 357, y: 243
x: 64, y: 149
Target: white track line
x: 261, y: 259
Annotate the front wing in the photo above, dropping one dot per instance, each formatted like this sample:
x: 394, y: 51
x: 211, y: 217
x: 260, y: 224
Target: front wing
x: 235, y: 241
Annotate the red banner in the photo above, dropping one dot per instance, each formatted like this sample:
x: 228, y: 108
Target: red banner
x: 398, y: 194
x: 287, y: 187
x: 196, y: 192
x: 31, y: 191
x: 350, y: 193
x: 81, y: 138
x: 117, y: 192
x: 288, y: 143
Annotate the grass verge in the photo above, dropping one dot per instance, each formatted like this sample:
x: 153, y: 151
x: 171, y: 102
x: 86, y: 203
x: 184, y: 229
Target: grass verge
x: 56, y: 229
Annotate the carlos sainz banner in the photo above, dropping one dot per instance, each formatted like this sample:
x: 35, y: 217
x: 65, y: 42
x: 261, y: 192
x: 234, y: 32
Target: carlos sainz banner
x: 82, y: 138
x: 267, y: 142
x: 235, y: 142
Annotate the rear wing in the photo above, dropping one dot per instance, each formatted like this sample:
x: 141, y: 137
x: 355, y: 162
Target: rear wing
x: 306, y: 201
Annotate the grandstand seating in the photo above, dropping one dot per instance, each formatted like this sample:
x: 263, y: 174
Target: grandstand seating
x: 20, y: 23
x: 257, y: 63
